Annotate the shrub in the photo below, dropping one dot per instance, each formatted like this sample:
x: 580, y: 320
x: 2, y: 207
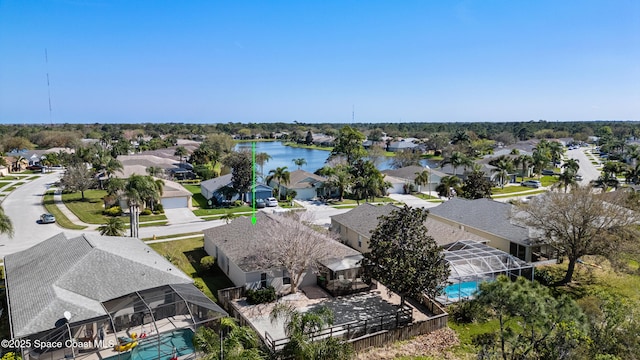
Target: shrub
x: 238, y: 203
x: 466, y: 311
x: 207, y: 262
x: 145, y: 212
x: 543, y: 276
x: 199, y: 284
x: 261, y: 296
x: 159, y: 208
x: 112, y: 211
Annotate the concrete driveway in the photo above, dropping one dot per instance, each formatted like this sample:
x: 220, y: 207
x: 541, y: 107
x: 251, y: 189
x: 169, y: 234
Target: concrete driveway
x: 181, y: 216
x: 413, y: 201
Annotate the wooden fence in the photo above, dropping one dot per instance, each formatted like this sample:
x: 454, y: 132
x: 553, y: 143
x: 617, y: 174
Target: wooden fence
x: 226, y: 296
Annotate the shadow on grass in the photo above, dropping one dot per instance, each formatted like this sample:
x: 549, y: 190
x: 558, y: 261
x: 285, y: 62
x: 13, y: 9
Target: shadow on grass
x: 214, y: 279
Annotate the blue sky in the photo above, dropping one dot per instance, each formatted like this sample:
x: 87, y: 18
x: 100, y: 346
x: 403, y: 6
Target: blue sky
x: 122, y: 61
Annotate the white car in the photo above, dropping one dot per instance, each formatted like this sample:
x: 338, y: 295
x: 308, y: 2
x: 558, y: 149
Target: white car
x: 271, y: 201
x: 531, y: 183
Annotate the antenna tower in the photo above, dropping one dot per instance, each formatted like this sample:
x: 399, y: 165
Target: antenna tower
x: 46, y: 60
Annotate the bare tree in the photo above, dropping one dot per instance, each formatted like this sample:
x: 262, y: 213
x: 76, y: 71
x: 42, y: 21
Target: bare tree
x: 581, y: 223
x: 294, y: 246
x: 77, y: 178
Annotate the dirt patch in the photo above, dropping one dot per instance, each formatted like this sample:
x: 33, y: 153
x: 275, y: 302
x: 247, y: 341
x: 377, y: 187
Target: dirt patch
x: 436, y: 344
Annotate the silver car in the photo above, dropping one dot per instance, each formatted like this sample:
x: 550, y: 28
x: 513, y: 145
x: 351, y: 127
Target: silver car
x: 47, y: 219
x: 271, y: 202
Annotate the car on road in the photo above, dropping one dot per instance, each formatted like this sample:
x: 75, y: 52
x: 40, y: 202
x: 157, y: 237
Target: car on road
x: 548, y: 172
x: 578, y: 177
x: 260, y: 204
x: 47, y: 219
x: 531, y: 183
x: 271, y: 202
x: 35, y: 167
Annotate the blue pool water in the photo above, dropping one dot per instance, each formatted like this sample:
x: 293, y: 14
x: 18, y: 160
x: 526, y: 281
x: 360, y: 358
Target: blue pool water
x: 455, y: 292
x: 180, y: 340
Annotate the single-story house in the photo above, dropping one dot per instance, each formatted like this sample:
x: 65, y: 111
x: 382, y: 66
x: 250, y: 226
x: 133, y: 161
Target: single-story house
x: 400, y: 178
x: 209, y: 188
x: 401, y: 145
x: 174, y: 196
x: 355, y: 226
x: 237, y: 249
x: 97, y: 291
x: 306, y: 185
x: 492, y: 220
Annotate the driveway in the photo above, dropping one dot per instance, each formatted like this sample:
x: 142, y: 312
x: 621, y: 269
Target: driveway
x: 413, y: 201
x: 181, y: 216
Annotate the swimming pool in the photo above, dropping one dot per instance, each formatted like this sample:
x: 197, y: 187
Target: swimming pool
x: 455, y: 292
x: 147, y: 349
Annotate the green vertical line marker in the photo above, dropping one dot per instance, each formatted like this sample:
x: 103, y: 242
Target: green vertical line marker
x: 253, y: 182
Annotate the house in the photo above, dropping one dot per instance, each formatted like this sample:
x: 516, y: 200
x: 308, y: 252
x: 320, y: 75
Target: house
x: 401, y: 177
x: 401, y: 146
x: 175, y: 196
x: 209, y: 189
x: 237, y: 248
x: 93, y: 290
x: 355, y: 227
x: 492, y: 220
x: 306, y: 185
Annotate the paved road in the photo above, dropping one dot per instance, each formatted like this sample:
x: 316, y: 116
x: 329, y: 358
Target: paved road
x: 587, y: 170
x: 24, y: 207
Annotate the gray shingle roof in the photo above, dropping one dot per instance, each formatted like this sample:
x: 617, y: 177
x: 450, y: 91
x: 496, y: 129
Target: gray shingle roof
x: 484, y: 214
x: 216, y: 183
x: 407, y: 172
x: 241, y: 241
x: 363, y: 219
x: 76, y: 275
x: 300, y: 179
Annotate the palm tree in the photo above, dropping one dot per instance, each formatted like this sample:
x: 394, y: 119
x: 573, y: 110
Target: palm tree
x: 6, y: 227
x: 228, y: 216
x: 633, y: 154
x: 504, y: 166
x: 555, y: 151
x: 237, y: 343
x: 262, y: 158
x: 299, y: 162
x: 567, y: 178
x: 456, y: 160
x: 632, y: 175
x: 180, y: 152
x: 113, y: 227
x: 605, y: 181
x: 340, y: 179
x: 299, y: 328
x: 422, y: 178
x: 572, y: 164
x: 447, y: 184
x: 281, y: 176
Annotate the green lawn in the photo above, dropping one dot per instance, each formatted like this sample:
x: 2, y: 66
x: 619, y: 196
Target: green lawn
x: 186, y: 255
x: 90, y: 209
x: 509, y: 190
x: 197, y: 199
x: 9, y: 178
x: 354, y: 202
x: 174, y: 236
x: 427, y: 196
x: 61, y: 219
x: 4, y: 183
x: 222, y: 211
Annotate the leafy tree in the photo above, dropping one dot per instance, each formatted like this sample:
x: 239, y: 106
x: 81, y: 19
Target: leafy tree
x: 241, y: 173
x: 299, y: 327
x: 368, y: 182
x: 180, y: 152
x: 239, y: 342
x: 376, y: 155
x: 567, y: 178
x: 77, y: 178
x: 460, y: 136
x: 504, y: 165
x: 404, y: 257
x: 349, y: 144
x: 572, y: 164
x: 339, y: 179
x: 405, y: 158
x: 6, y: 227
x: 476, y: 186
x: 113, y: 227
x: 533, y: 323
x: 300, y: 162
x: 309, y: 138
x: 581, y: 223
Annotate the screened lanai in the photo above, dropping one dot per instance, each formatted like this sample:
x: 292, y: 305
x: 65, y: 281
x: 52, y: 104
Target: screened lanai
x: 156, y: 323
x: 471, y: 263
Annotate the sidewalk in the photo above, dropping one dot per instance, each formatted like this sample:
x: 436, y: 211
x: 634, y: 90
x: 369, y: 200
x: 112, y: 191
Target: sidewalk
x: 57, y: 199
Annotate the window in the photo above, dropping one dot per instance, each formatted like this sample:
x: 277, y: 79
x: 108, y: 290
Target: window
x: 263, y: 280
x: 286, y: 279
x: 359, y: 240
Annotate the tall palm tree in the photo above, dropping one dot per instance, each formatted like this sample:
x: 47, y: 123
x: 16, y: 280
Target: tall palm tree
x: 6, y: 227
x: 340, y: 179
x: 456, y: 160
x: 180, y: 152
x: 299, y: 162
x: 524, y: 161
x: 572, y: 164
x: 113, y: 227
x: 421, y: 179
x: 280, y: 175
x: 261, y: 159
x: 237, y: 343
x: 448, y: 183
x: 567, y: 178
x: 632, y: 175
x: 555, y: 151
x: 632, y: 153
x: 504, y: 166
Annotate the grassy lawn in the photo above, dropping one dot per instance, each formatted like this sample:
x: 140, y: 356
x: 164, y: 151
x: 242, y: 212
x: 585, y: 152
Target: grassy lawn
x: 529, y: 192
x: 427, y: 196
x: 197, y: 199
x: 33, y: 177
x: 9, y: 178
x: 88, y: 210
x: 174, y: 236
x: 354, y: 202
x: 4, y: 183
x: 314, y: 147
x: 61, y: 219
x: 509, y: 189
x: 14, y: 186
x: 186, y: 255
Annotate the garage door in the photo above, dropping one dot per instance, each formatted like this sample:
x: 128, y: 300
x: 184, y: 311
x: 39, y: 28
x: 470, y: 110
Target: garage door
x: 174, y: 203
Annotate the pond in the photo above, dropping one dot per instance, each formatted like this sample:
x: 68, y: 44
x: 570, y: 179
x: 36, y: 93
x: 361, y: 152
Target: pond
x: 282, y: 155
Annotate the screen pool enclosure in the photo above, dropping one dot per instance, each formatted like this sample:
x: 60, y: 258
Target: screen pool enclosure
x: 471, y: 263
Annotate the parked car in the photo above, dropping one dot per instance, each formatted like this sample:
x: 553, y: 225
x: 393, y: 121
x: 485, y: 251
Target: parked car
x: 548, y: 172
x: 272, y: 202
x: 35, y: 167
x: 47, y: 219
x: 531, y: 183
x: 578, y: 177
x: 260, y: 204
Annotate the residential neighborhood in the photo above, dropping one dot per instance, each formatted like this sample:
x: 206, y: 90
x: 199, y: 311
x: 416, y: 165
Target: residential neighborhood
x: 132, y: 252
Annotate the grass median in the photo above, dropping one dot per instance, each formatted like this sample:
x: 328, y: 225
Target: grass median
x: 61, y: 219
